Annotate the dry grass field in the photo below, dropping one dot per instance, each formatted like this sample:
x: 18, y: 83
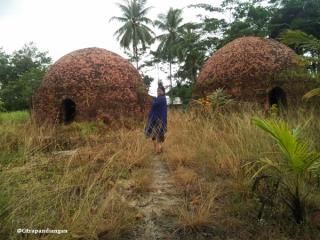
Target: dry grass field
x: 106, y: 183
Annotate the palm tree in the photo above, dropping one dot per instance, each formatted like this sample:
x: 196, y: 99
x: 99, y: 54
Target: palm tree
x: 191, y: 50
x: 169, y: 23
x: 304, y: 43
x: 298, y: 165
x: 135, y: 30
x: 301, y: 41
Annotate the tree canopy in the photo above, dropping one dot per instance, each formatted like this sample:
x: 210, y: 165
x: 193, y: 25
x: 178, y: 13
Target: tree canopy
x: 20, y: 75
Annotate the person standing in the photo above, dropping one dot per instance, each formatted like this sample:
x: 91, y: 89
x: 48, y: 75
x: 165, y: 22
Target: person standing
x: 157, y: 120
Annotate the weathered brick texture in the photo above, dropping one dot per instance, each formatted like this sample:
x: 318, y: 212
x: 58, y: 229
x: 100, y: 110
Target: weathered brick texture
x: 248, y: 68
x: 102, y: 85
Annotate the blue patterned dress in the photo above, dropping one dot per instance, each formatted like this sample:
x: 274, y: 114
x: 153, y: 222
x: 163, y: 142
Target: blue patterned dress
x: 157, y: 119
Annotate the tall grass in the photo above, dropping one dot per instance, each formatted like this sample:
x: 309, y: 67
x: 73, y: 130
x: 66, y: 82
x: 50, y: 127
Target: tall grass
x: 69, y: 177
x: 221, y: 151
x: 81, y: 177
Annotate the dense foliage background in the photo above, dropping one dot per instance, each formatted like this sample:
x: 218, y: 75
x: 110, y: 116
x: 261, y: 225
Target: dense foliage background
x: 20, y: 74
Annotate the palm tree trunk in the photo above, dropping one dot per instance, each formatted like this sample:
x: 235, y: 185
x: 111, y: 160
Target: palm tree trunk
x: 170, y: 78
x: 135, y: 54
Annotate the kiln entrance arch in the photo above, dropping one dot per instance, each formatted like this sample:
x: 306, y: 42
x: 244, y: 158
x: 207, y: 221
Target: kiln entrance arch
x: 68, y: 111
x: 277, y: 96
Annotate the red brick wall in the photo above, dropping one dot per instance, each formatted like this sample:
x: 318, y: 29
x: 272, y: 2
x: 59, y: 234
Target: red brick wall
x: 101, y: 83
x: 247, y: 68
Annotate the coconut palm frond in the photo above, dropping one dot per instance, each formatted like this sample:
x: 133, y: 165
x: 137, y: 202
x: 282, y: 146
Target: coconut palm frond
x: 299, y: 39
x: 135, y: 30
x: 313, y: 93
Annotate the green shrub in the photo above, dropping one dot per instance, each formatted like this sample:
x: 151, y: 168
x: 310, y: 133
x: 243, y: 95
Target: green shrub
x: 219, y: 98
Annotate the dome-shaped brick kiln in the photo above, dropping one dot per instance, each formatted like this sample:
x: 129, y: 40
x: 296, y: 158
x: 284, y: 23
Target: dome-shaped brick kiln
x: 252, y: 69
x: 89, y: 84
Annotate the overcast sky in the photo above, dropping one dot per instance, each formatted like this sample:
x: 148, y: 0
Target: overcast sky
x: 62, y: 26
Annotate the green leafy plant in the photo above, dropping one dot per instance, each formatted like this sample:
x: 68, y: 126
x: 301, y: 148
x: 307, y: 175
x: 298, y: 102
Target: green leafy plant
x: 219, y: 98
x: 274, y: 110
x: 295, y: 169
x: 216, y: 100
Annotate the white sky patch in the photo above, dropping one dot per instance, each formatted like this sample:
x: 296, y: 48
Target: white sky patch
x: 62, y: 26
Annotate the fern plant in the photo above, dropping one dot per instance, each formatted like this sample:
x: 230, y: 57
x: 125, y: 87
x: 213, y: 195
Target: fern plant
x: 294, y: 169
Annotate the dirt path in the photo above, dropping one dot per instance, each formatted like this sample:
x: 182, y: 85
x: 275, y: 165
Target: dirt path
x: 157, y: 204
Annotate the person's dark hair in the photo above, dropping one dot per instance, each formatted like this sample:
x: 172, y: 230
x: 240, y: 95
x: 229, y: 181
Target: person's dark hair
x: 160, y: 86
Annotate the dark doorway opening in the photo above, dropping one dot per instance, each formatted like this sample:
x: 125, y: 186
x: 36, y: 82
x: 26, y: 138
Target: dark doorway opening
x: 278, y: 96
x: 68, y: 111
